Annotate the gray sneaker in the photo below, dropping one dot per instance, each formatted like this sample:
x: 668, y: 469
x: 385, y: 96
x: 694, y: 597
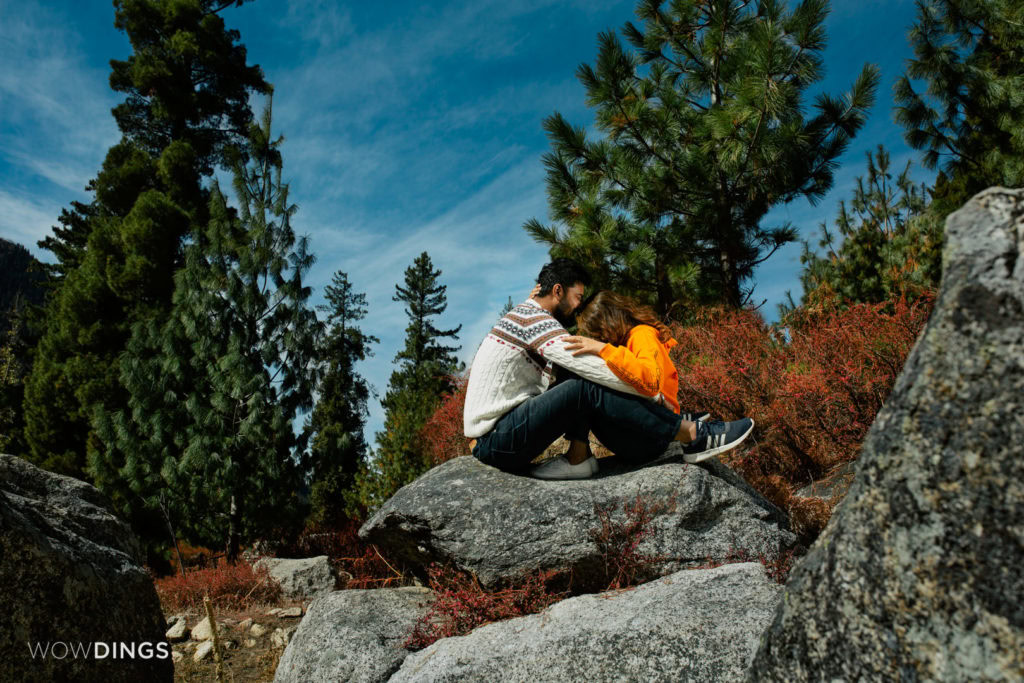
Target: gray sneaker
x: 559, y: 468
x: 717, y: 437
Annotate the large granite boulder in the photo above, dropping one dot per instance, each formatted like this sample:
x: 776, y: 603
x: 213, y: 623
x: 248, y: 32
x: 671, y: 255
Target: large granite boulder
x: 76, y: 597
x: 920, y: 573
x: 498, y: 525
x: 694, y: 625
x: 353, y: 635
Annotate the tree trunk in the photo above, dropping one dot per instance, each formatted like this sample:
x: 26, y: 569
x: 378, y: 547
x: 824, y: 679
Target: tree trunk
x: 664, y: 287
x: 234, y: 533
x: 174, y: 536
x: 730, y: 282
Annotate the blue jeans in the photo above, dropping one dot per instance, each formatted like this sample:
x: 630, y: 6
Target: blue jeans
x: 633, y: 427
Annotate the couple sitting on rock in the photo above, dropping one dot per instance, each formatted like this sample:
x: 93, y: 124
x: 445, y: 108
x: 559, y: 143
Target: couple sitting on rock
x: 615, y: 380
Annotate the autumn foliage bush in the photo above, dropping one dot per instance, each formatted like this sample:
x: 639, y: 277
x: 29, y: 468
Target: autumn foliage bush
x: 618, y: 540
x: 813, y: 396
x: 229, y: 586
x: 442, y: 434
x: 461, y: 603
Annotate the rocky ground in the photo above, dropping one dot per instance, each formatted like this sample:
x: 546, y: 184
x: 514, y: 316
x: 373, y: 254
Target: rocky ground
x: 253, y: 642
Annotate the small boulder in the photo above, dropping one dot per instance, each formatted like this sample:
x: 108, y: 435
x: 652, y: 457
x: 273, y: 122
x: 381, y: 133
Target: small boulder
x: 498, y: 525
x: 290, y: 613
x: 258, y: 630
x: 281, y: 636
x: 202, y: 630
x: 301, y: 578
x: 353, y: 635
x: 245, y: 624
x: 693, y: 625
x: 178, y: 632
x: 203, y: 651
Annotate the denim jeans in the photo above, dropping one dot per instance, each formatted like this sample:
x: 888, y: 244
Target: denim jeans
x: 633, y: 427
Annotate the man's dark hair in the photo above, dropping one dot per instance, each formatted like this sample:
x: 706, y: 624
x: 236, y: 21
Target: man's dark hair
x: 561, y: 271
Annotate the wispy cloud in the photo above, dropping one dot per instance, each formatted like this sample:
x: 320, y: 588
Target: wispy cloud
x: 56, y: 108
x: 25, y: 220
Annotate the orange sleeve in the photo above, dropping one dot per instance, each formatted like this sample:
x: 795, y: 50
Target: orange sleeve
x: 637, y: 365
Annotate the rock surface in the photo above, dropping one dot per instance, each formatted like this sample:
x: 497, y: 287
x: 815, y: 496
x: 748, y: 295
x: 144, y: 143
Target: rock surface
x: 497, y: 525
x: 694, y: 625
x: 353, y: 635
x: 71, y: 572
x: 920, y: 572
x: 300, y: 578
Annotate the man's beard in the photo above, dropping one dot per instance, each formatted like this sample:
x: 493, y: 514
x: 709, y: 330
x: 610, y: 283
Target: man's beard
x: 567, y: 319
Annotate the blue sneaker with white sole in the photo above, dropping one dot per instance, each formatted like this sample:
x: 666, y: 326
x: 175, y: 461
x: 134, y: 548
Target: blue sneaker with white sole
x: 717, y: 437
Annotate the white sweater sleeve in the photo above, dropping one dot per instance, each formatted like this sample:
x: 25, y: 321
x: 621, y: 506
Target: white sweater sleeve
x: 586, y: 365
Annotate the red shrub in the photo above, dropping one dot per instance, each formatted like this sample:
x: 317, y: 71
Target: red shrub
x: 442, y: 434
x: 776, y: 566
x: 618, y: 541
x: 461, y: 604
x: 232, y: 587
x: 813, y: 396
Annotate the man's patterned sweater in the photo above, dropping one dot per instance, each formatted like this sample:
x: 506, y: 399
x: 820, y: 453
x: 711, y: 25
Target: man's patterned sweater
x: 513, y: 364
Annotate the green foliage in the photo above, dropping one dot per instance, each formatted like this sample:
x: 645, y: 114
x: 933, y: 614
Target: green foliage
x: 12, y: 373
x: 424, y: 376
x: 21, y: 281
x: 969, y: 120
x: 891, y: 244
x: 338, y: 449
x: 703, y: 133
x: 213, y: 389
x: 187, y: 89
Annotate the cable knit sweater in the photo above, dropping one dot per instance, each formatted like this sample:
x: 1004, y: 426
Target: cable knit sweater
x: 513, y: 364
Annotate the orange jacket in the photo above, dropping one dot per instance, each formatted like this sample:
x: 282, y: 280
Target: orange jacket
x: 644, y: 363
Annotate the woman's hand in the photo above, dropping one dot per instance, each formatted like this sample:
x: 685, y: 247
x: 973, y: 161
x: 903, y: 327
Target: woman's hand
x: 580, y: 345
x: 535, y: 292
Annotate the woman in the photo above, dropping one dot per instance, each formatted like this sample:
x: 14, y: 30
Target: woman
x: 635, y: 345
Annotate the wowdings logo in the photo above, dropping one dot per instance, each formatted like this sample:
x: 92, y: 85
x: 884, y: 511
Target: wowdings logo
x: 60, y: 649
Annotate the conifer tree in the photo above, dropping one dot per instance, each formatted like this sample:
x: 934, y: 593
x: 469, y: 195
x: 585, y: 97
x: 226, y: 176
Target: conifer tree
x: 338, y: 448
x: 887, y: 244
x: 187, y: 85
x: 702, y: 133
x: 423, y: 377
x: 969, y: 118
x: 213, y: 390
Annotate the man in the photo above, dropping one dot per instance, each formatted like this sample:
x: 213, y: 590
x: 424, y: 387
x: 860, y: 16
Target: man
x: 514, y: 412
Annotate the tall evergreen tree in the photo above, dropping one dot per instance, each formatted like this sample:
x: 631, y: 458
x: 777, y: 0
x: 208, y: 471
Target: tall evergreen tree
x: 338, y: 448
x: 187, y: 85
x: 703, y: 132
x: 423, y: 377
x: 969, y: 119
x: 883, y: 245
x: 214, y: 390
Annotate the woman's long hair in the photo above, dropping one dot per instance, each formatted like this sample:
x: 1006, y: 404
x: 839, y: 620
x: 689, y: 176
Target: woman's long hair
x: 609, y: 317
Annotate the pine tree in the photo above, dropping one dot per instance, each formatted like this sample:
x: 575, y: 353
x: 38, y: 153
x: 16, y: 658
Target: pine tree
x: 338, y: 448
x: 702, y: 133
x: 969, y: 120
x: 889, y: 245
x: 423, y: 377
x: 213, y: 391
x: 187, y: 87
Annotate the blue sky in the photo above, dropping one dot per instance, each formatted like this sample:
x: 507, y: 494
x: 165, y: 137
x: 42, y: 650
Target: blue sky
x: 409, y: 126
